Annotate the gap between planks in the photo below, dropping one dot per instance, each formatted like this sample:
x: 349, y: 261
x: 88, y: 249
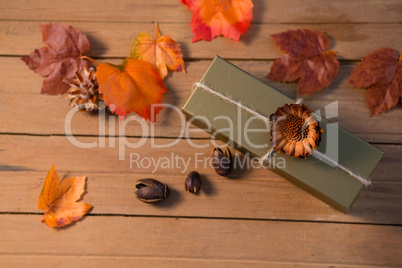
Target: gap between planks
x: 210, y: 218
x: 146, y: 137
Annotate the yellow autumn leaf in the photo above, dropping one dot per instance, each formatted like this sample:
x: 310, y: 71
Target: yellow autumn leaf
x: 163, y: 53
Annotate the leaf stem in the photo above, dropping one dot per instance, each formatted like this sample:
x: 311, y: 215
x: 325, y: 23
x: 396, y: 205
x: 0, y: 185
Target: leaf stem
x: 400, y: 58
x: 90, y: 59
x: 156, y: 30
x: 330, y: 52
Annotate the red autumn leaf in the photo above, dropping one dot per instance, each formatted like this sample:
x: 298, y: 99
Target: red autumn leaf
x: 134, y: 85
x: 60, y: 59
x: 380, y: 72
x: 306, y: 59
x: 58, y: 199
x: 162, y: 53
x: 212, y: 18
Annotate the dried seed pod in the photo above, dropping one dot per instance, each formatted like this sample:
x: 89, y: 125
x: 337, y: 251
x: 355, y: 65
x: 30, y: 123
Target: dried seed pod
x: 84, y: 91
x: 192, y: 182
x: 222, y: 162
x: 150, y: 190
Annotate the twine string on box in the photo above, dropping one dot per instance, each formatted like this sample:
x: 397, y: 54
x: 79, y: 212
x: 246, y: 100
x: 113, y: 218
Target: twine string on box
x: 269, y: 154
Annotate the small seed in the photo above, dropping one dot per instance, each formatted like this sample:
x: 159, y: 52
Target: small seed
x: 150, y: 190
x: 192, y: 182
x: 222, y: 162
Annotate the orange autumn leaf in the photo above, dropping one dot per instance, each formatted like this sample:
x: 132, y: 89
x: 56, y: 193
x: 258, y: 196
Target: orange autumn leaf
x: 58, y: 200
x: 162, y: 53
x: 380, y: 72
x: 212, y: 18
x: 134, y: 85
x: 306, y: 60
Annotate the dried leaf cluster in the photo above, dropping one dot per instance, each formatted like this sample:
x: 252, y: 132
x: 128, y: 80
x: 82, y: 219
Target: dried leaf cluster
x: 135, y: 85
x: 315, y: 68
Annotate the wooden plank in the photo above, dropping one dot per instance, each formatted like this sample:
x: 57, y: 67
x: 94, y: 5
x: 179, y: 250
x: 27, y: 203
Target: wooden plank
x: 94, y: 155
x: 350, y: 41
x: 274, y: 11
x: 247, y: 197
x: 235, y: 240
x: 20, y: 87
x: 111, y: 261
x: 249, y: 193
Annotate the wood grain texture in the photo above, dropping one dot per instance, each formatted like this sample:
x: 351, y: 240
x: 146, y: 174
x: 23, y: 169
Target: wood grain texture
x: 266, y: 198
x: 21, y: 87
x: 39, y: 152
x: 273, y: 11
x: 111, y: 261
x: 253, y: 218
x: 251, y: 192
x: 210, y: 239
x: 350, y: 41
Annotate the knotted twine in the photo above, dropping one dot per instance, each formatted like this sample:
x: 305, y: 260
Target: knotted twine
x: 268, y: 155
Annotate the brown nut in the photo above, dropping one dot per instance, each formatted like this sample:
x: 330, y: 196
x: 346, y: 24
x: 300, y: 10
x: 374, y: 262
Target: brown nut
x: 150, y: 190
x: 192, y: 182
x: 222, y: 162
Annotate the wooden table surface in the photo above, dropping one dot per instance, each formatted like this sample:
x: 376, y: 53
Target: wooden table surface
x: 256, y: 218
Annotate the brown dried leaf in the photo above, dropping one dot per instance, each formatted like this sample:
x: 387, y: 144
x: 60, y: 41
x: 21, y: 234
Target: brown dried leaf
x: 60, y: 59
x: 380, y: 72
x: 306, y: 59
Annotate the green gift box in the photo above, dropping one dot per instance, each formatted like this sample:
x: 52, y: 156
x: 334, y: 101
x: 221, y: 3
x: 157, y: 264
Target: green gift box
x: 250, y: 134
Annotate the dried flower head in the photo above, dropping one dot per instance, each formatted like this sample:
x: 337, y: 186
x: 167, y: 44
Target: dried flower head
x: 294, y: 130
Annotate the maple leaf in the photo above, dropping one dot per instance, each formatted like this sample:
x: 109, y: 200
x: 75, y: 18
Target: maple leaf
x: 212, y: 18
x: 162, y: 53
x: 60, y: 59
x: 58, y: 200
x: 132, y: 86
x: 380, y: 72
x: 306, y: 59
